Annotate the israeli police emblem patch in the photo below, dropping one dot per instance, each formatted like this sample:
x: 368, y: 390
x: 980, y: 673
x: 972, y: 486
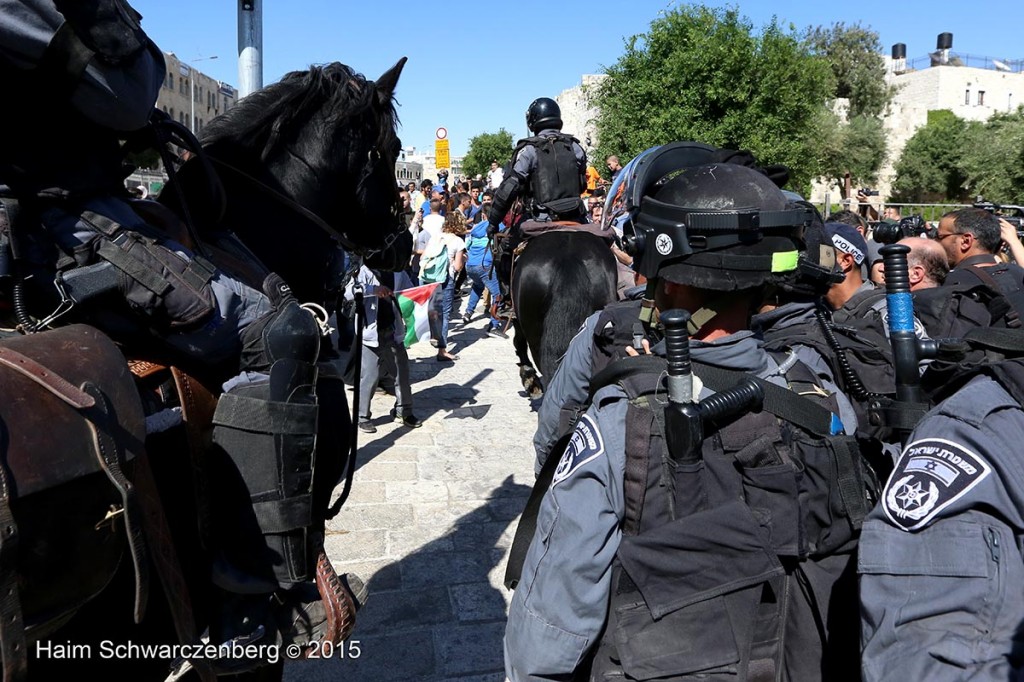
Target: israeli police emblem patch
x: 585, y: 445
x: 931, y: 474
x: 663, y: 244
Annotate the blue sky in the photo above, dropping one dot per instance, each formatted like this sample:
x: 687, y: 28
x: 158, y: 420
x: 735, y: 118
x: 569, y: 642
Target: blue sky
x: 475, y: 67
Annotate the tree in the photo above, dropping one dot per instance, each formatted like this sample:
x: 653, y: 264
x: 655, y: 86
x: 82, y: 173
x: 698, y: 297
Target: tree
x: 703, y: 74
x: 854, y: 55
x: 992, y: 158
x: 929, y: 166
x: 485, y: 148
x: 856, y: 147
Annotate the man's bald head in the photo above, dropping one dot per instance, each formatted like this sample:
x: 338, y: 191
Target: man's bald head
x: 926, y: 261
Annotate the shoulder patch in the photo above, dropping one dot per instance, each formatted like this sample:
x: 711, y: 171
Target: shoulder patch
x: 930, y: 475
x: 585, y: 444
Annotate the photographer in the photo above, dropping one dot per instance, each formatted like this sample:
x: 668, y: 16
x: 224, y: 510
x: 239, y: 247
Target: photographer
x: 971, y: 238
x: 1011, y: 239
x: 868, y: 202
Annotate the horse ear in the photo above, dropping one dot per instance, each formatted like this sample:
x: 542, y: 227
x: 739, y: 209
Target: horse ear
x: 387, y: 82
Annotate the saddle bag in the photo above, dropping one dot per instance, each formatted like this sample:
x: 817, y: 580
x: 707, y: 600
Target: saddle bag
x: 71, y: 426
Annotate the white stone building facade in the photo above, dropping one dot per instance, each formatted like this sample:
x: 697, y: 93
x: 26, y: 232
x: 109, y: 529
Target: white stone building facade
x: 579, y: 113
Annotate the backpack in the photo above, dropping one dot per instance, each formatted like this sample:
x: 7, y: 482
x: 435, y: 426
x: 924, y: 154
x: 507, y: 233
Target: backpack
x: 434, y: 268
x: 93, y: 54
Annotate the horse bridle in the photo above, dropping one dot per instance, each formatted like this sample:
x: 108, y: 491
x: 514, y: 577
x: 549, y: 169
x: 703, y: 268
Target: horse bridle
x: 287, y: 201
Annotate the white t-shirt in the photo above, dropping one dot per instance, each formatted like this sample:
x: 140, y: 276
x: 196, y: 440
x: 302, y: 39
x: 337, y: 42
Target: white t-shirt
x: 495, y: 177
x: 433, y: 223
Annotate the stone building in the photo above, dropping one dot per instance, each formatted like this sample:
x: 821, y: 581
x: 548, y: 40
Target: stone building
x: 191, y: 97
x: 971, y: 87
x: 427, y: 163
x: 579, y: 113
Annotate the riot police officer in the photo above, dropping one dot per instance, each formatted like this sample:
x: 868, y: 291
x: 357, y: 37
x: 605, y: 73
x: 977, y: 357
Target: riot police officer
x: 940, y: 560
x: 548, y: 170
x: 548, y: 173
x: 726, y: 559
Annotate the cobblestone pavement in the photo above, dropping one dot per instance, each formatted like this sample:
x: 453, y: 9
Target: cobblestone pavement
x: 431, y: 518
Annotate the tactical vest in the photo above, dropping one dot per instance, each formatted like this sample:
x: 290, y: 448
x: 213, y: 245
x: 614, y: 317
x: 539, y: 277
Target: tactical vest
x: 556, y: 184
x: 1002, y: 277
x: 732, y: 562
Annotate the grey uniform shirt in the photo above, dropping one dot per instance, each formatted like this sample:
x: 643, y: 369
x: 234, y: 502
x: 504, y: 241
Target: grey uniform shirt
x: 560, y: 606
x: 571, y: 382
x: 940, y: 560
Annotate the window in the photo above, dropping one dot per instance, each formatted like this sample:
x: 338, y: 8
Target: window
x: 981, y: 98
x: 181, y: 86
x: 226, y: 103
x: 967, y: 96
x: 171, y: 112
x: 170, y: 81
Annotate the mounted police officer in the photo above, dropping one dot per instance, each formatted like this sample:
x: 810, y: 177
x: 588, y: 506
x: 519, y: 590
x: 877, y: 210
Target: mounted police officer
x: 729, y: 558
x: 86, y: 77
x: 548, y: 172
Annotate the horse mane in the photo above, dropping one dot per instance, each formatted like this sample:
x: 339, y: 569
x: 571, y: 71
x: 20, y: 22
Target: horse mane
x: 262, y: 121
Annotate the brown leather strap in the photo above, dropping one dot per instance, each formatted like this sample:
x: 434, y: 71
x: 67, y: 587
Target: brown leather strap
x: 338, y: 602
x: 143, y: 369
x: 109, y: 455
x: 60, y: 387
x: 197, y: 408
x: 12, y: 627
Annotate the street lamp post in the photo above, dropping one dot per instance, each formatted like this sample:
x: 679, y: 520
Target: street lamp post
x: 192, y: 88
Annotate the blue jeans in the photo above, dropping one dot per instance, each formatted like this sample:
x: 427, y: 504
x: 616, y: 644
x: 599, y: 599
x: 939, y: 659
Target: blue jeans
x: 482, y: 276
x: 447, y: 303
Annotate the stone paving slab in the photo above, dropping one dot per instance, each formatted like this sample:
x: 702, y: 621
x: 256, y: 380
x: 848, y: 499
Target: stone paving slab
x: 430, y: 520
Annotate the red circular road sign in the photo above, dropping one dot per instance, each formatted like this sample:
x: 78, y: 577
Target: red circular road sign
x: 442, y: 133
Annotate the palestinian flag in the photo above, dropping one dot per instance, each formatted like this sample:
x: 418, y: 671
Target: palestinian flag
x: 415, y: 304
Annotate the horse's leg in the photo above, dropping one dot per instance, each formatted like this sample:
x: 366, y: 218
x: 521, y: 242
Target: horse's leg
x: 527, y: 373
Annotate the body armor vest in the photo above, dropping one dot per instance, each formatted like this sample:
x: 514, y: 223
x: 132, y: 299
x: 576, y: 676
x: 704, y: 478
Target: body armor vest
x: 732, y: 561
x: 556, y: 185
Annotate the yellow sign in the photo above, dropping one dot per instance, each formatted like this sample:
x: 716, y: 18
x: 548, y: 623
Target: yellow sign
x: 442, y: 160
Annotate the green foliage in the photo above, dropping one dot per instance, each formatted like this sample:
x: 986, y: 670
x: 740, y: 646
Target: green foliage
x: 485, y: 148
x: 147, y: 158
x: 856, y: 147
x: 703, y: 74
x: 992, y: 158
x: 929, y: 169
x: 854, y: 55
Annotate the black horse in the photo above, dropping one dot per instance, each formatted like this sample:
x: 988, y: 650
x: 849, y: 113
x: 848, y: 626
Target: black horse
x: 303, y: 165
x: 557, y: 282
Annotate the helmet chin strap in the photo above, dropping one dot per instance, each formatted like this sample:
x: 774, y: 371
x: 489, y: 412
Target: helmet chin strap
x: 709, y: 311
x: 698, y: 318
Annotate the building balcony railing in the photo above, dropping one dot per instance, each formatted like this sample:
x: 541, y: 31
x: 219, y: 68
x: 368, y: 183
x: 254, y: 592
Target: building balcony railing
x: 960, y: 59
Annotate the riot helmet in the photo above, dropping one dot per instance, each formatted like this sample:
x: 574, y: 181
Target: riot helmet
x: 716, y: 226
x: 543, y: 113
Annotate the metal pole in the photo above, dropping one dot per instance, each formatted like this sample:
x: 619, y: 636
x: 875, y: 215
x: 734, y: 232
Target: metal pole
x: 192, y: 90
x: 250, y: 46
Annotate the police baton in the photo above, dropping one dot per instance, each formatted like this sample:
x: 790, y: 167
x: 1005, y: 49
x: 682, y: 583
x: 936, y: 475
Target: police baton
x: 907, y: 350
x: 685, y: 416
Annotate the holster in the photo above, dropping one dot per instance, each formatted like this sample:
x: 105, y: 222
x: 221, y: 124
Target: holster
x: 265, y: 437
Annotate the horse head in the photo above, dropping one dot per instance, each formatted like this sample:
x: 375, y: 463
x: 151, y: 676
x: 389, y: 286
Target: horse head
x: 320, y: 145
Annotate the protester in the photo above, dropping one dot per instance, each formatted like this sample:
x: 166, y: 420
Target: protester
x: 481, y: 273
x: 383, y: 347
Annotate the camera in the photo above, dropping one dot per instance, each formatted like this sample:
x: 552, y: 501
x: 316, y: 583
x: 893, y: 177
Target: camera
x: 1011, y: 214
x: 890, y: 233
x: 868, y: 192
